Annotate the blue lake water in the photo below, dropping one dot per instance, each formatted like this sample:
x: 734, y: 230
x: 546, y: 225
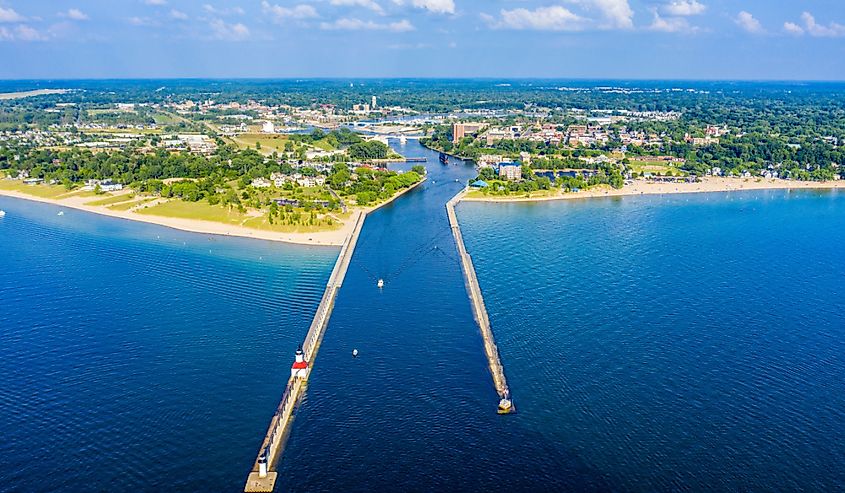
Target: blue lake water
x: 686, y: 342
x: 139, y: 358
x: 651, y: 343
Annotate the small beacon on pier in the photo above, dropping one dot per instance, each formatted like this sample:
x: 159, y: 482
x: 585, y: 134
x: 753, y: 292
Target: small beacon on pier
x: 299, y: 369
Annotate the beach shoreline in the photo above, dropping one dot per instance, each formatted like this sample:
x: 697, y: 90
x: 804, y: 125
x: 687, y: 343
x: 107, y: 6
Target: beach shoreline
x: 332, y: 238
x: 640, y: 187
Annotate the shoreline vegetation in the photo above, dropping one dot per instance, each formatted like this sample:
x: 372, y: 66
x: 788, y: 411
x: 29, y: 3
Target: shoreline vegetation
x: 169, y: 213
x: 310, y: 189
x: 642, y: 187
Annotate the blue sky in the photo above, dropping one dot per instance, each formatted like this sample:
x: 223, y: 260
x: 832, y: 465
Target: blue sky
x: 640, y: 39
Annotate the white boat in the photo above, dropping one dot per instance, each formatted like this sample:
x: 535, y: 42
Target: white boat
x: 2, y: 213
x: 380, y: 283
x: 61, y: 213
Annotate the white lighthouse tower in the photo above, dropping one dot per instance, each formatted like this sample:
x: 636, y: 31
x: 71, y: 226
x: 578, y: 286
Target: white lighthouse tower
x: 299, y: 369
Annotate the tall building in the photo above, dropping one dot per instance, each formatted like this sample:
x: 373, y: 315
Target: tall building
x: 373, y: 105
x: 461, y: 130
x: 510, y: 171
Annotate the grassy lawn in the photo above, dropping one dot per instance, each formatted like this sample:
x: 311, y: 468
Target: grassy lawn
x: 109, y: 200
x: 322, y: 144
x: 495, y: 194
x: 125, y: 206
x: 202, y: 211
x: 79, y: 193
x: 43, y: 191
x: 268, y: 142
x: 262, y: 223
x: 654, y: 168
x: 165, y: 119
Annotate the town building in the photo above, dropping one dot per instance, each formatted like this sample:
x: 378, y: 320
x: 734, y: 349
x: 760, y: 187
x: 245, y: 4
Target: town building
x: 261, y: 183
x: 510, y: 171
x: 461, y: 130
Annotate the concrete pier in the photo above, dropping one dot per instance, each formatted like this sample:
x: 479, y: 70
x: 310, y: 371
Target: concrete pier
x: 479, y: 310
x: 262, y: 478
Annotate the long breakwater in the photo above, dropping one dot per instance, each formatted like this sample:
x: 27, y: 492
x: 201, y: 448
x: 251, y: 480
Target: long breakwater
x: 480, y: 311
x: 262, y: 478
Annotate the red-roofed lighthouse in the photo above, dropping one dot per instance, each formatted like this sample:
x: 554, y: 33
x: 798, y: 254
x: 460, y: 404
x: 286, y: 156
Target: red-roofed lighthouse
x: 299, y: 369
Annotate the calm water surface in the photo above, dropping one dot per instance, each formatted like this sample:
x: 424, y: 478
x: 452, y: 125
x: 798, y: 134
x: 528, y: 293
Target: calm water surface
x: 651, y: 343
x: 139, y: 358
x: 690, y: 342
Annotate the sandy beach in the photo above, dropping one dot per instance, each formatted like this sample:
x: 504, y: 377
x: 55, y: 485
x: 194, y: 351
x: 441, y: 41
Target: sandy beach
x: 641, y: 187
x: 334, y: 237
x: 325, y: 238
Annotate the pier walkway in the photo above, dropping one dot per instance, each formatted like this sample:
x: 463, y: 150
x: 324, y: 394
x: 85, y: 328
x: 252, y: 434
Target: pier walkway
x: 262, y: 478
x: 480, y: 311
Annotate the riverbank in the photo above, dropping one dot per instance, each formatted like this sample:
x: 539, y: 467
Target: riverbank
x: 641, y: 187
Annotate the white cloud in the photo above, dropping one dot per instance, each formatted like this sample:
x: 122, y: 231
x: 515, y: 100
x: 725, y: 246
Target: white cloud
x: 297, y: 12
x: 74, y: 15
x: 9, y: 15
x: 228, y: 32
x: 617, y: 13
x: 211, y: 9
x: 554, y: 18
x: 178, y: 15
x: 435, y: 6
x: 142, y: 21
x: 793, y: 28
x: 670, y: 24
x: 155, y: 2
x: 26, y: 33
x: 367, y: 4
x: 681, y: 8
x: 348, y: 24
x: 21, y: 32
x: 832, y: 30
x: 747, y: 22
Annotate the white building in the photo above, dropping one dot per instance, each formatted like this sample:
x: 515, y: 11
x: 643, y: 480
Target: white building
x: 105, y: 186
x: 310, y: 181
x: 268, y: 128
x: 261, y: 183
x: 510, y: 171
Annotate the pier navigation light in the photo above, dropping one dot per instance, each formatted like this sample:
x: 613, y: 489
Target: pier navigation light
x: 262, y: 463
x: 299, y: 369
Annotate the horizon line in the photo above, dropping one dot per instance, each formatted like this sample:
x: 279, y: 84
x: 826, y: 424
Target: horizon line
x: 428, y: 78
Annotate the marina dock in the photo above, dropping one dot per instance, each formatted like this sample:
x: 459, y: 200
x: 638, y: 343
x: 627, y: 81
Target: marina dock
x: 480, y: 311
x: 263, y: 476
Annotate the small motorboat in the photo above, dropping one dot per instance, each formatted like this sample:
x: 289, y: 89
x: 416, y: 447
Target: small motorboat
x: 380, y: 283
x: 61, y: 213
x: 354, y: 353
x: 2, y: 213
